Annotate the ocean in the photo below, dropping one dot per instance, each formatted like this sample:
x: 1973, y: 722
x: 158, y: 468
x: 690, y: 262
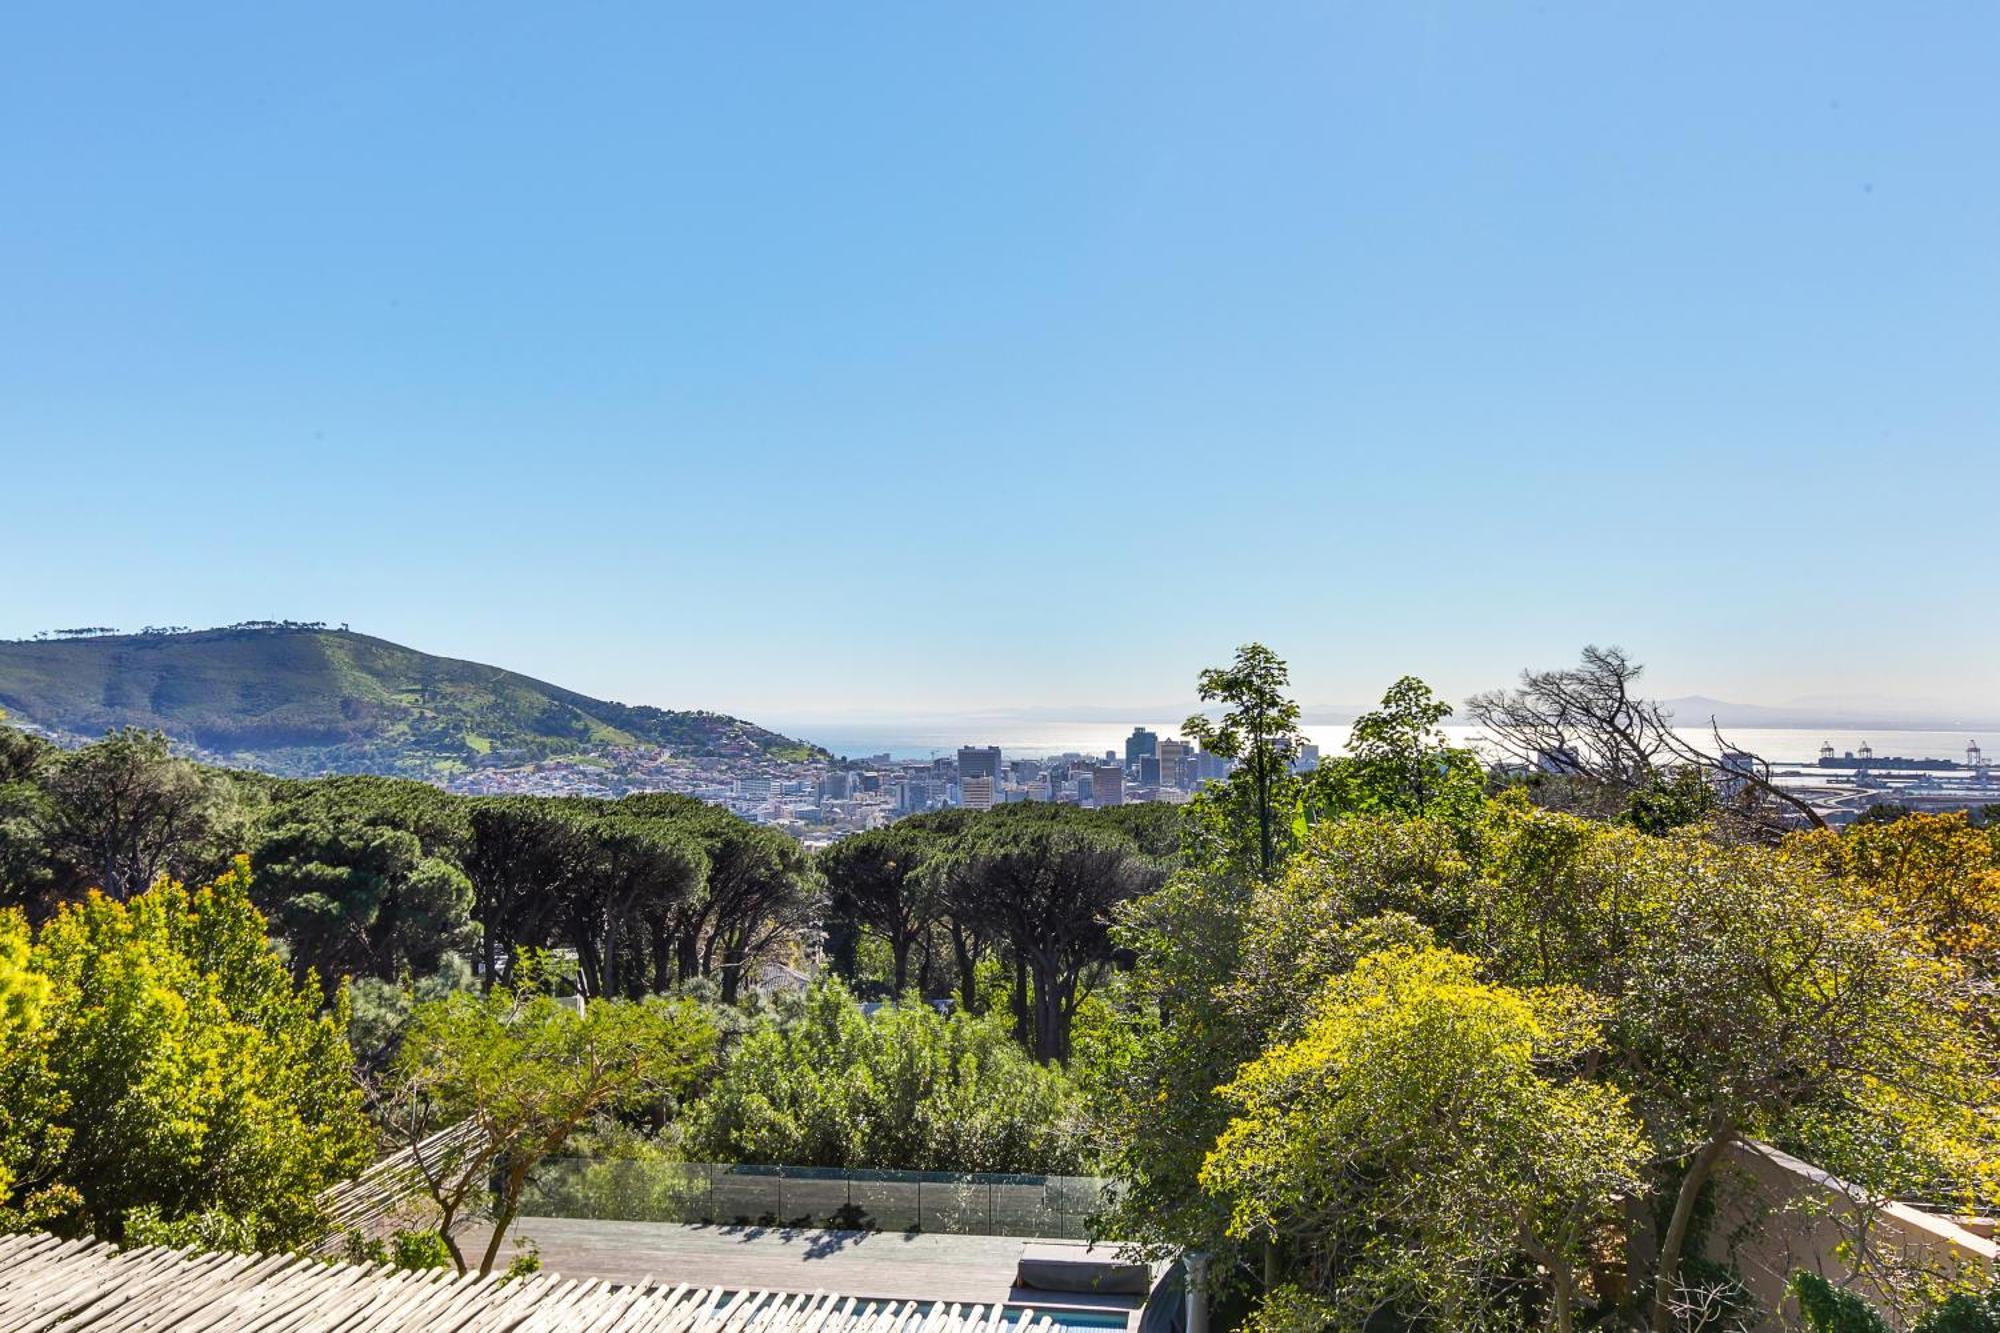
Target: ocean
x: 923, y: 739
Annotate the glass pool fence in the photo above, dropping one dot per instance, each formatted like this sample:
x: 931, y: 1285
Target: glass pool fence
x: 640, y: 1190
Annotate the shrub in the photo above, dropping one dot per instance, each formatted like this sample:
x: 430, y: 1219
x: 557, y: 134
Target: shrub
x: 418, y: 1250
x: 906, y: 1089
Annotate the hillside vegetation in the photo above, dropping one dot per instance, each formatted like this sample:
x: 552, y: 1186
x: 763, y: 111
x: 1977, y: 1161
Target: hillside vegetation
x: 302, y: 700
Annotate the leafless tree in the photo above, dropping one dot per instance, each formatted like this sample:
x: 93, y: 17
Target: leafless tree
x: 1589, y: 725
x: 1709, y: 1306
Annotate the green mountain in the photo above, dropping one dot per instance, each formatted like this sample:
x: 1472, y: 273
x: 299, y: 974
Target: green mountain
x: 303, y: 699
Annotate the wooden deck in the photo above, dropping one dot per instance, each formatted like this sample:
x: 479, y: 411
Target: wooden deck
x: 52, y: 1286
x: 889, y: 1264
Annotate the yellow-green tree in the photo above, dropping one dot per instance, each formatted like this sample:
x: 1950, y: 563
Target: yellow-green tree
x: 1744, y: 993
x: 1938, y: 874
x: 526, y: 1072
x: 1751, y: 996
x: 173, y: 1066
x: 1425, y: 1131
x: 24, y: 1108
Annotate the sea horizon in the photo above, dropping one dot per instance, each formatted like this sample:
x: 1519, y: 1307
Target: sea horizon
x: 1027, y: 739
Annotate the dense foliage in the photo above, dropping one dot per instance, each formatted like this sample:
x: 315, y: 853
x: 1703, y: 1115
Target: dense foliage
x: 1424, y: 1130
x: 1332, y: 1063
x: 1402, y: 1042
x: 819, y: 1084
x: 1830, y: 1309
x: 156, y: 1055
x: 1034, y: 887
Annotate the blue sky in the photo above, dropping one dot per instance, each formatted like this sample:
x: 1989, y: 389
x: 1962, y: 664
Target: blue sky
x: 824, y: 359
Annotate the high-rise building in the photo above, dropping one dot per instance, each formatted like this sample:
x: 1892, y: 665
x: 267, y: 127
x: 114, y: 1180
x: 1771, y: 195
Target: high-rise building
x: 976, y: 793
x: 1107, y: 786
x: 1210, y: 767
x: 1149, y: 770
x: 1176, y: 764
x: 1306, y: 758
x: 979, y: 761
x: 1141, y: 744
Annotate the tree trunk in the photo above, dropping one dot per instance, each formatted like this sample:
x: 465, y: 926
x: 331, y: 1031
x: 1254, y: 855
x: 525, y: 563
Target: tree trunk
x: 663, y: 955
x: 1666, y: 1279
x: 614, y: 972
x: 513, y: 1182
x: 968, y: 980
x: 587, y: 960
x: 447, y: 1218
x: 735, y: 961
x: 900, y: 948
x: 486, y: 952
x: 1022, y: 1033
x: 1264, y: 817
x: 500, y: 1225
x: 1051, y: 1017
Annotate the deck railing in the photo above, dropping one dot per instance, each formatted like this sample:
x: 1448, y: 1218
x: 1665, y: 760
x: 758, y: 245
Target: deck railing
x: 644, y: 1190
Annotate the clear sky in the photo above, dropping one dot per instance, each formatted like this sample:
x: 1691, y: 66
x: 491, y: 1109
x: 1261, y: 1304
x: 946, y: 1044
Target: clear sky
x: 807, y: 359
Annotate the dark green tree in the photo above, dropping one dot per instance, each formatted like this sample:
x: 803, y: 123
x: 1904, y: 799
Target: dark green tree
x: 634, y: 876
x: 874, y: 878
x: 362, y: 876
x: 1398, y: 762
x: 525, y: 860
x: 124, y: 811
x: 1260, y: 732
x: 23, y: 862
x: 763, y: 890
x: 1047, y: 887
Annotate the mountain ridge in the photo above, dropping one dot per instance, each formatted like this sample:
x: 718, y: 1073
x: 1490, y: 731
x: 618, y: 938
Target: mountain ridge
x: 299, y: 699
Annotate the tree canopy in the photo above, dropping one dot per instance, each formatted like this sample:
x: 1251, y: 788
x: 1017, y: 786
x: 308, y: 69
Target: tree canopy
x: 157, y: 1054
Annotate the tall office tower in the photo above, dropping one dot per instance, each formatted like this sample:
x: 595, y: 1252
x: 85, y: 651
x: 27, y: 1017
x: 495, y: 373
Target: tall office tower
x: 1305, y: 759
x: 1149, y: 770
x: 1107, y: 786
x: 1083, y: 786
x: 976, y: 793
x: 1176, y: 766
x: 1141, y: 744
x: 1210, y: 767
x: 979, y: 762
